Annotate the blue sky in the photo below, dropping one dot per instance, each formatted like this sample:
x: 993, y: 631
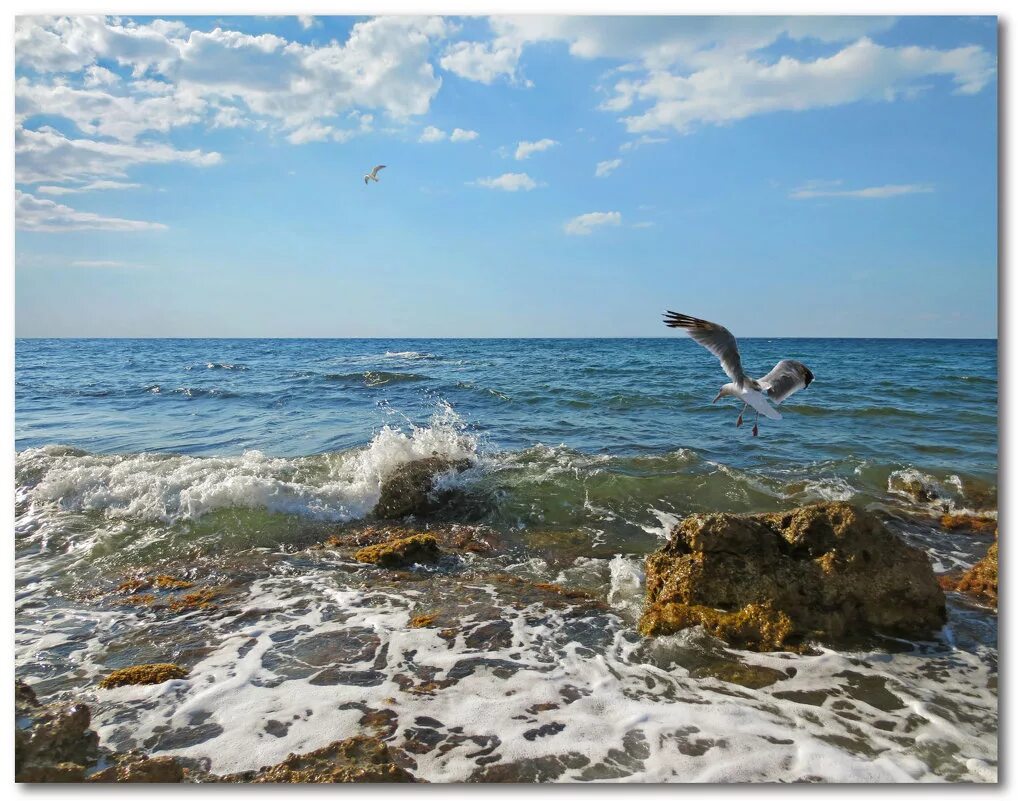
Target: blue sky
x: 547, y: 176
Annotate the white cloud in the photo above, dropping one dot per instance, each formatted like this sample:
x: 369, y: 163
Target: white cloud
x: 509, y: 182
x: 101, y: 264
x: 584, y: 224
x: 307, y: 21
x: 744, y: 87
x: 461, y: 135
x: 432, y: 134
x: 35, y: 214
x: 605, y: 168
x: 48, y: 156
x: 182, y: 77
x: 482, y: 61
x: 94, y: 186
x: 524, y: 149
x: 640, y: 142
x: 829, y: 189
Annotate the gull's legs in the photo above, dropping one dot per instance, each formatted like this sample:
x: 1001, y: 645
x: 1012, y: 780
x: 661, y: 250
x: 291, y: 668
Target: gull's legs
x: 756, y: 428
x: 739, y: 421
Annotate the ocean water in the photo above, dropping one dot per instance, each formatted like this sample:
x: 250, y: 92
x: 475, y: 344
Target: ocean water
x: 223, y: 461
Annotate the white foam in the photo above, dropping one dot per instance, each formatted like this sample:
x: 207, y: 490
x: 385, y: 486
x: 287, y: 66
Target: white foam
x: 168, y: 488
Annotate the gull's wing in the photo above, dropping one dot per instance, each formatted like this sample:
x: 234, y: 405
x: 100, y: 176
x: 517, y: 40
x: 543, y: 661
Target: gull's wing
x: 716, y: 338
x: 374, y: 172
x: 785, y: 379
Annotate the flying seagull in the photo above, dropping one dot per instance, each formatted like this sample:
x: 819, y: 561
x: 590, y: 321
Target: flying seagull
x: 784, y: 380
x: 373, y: 175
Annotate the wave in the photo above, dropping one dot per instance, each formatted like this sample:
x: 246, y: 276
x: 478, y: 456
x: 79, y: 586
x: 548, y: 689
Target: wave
x: 410, y: 355
x: 374, y: 378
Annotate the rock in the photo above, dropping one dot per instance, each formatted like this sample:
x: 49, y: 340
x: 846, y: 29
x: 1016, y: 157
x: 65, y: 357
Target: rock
x: 980, y: 579
x: 983, y: 524
x: 143, y: 674
x: 752, y: 676
x: 772, y: 581
x: 416, y: 549
x: 356, y: 759
x: 450, y: 536
x: 408, y: 490
x: 52, y: 743
x: 136, y: 767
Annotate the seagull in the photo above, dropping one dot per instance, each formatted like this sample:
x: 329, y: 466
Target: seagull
x: 784, y: 380
x: 373, y: 175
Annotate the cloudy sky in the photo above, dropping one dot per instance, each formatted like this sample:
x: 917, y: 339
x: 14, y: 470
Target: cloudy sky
x: 547, y: 176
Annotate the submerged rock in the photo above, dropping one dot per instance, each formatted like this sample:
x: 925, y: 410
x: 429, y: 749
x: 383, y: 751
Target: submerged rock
x: 409, y: 490
x: 980, y: 579
x: 52, y: 743
x: 772, y: 581
x: 416, y: 549
x: 356, y: 759
x: 450, y: 536
x: 143, y: 674
x: 135, y: 767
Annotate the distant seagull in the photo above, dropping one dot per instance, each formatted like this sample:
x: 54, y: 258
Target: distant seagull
x: 373, y: 175
x: 787, y: 377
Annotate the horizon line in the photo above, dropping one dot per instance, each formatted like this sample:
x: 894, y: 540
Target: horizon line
x: 482, y: 338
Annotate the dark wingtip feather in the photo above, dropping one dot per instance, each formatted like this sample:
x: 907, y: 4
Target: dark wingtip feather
x: 809, y: 375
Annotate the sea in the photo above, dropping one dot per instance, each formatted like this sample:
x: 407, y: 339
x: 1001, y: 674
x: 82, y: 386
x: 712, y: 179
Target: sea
x: 226, y: 463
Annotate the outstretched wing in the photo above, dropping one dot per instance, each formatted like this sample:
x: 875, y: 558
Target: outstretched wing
x: 785, y: 379
x: 716, y: 338
x: 374, y: 172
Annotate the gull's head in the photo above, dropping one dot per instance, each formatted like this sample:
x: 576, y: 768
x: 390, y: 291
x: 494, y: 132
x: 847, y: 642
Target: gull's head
x: 726, y: 391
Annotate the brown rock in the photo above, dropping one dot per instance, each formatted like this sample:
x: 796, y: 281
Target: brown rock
x: 136, y: 767
x: 981, y: 578
x: 771, y: 581
x: 356, y: 759
x: 416, y: 549
x: 52, y: 743
x: 408, y: 490
x: 977, y: 523
x: 143, y: 674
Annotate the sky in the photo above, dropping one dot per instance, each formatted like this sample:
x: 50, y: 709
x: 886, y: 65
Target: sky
x: 545, y: 176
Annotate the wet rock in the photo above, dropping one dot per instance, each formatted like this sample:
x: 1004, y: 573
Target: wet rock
x: 752, y: 676
x: 143, y: 674
x: 422, y: 621
x: 416, y: 549
x: 356, y: 759
x: 772, y: 581
x: 980, y: 579
x: 450, y: 536
x: 136, y: 767
x: 980, y: 524
x: 409, y: 488
x: 52, y: 743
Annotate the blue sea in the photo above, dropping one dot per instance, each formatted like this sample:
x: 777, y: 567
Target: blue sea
x: 226, y: 461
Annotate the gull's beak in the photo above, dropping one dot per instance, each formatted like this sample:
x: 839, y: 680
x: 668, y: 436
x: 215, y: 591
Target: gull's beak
x: 717, y: 397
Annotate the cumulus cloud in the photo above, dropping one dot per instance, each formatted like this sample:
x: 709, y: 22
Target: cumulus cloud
x: 509, y: 182
x: 484, y: 62
x: 584, y: 224
x: 607, y: 167
x: 37, y: 214
x: 814, y: 189
x: 432, y: 134
x: 461, y: 135
x: 525, y: 149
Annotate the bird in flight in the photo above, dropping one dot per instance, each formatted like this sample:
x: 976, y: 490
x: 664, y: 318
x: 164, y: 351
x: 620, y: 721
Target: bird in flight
x: 784, y: 380
x: 373, y: 175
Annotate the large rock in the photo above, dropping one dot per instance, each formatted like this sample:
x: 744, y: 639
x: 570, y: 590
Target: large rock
x: 409, y: 489
x: 773, y: 581
x: 356, y: 759
x: 980, y: 579
x: 52, y: 743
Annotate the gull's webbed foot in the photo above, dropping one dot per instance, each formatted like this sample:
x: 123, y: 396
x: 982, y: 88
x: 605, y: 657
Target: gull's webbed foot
x: 756, y: 429
x: 738, y: 423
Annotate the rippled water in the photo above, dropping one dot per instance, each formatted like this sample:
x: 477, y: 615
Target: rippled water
x: 223, y: 460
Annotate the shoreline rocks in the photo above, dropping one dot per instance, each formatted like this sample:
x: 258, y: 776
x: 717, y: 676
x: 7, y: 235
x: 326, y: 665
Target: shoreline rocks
x: 979, y: 580
x: 774, y: 581
x: 143, y: 674
x: 409, y: 489
x: 415, y: 549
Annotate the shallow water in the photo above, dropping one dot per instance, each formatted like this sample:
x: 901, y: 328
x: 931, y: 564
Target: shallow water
x: 223, y: 460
